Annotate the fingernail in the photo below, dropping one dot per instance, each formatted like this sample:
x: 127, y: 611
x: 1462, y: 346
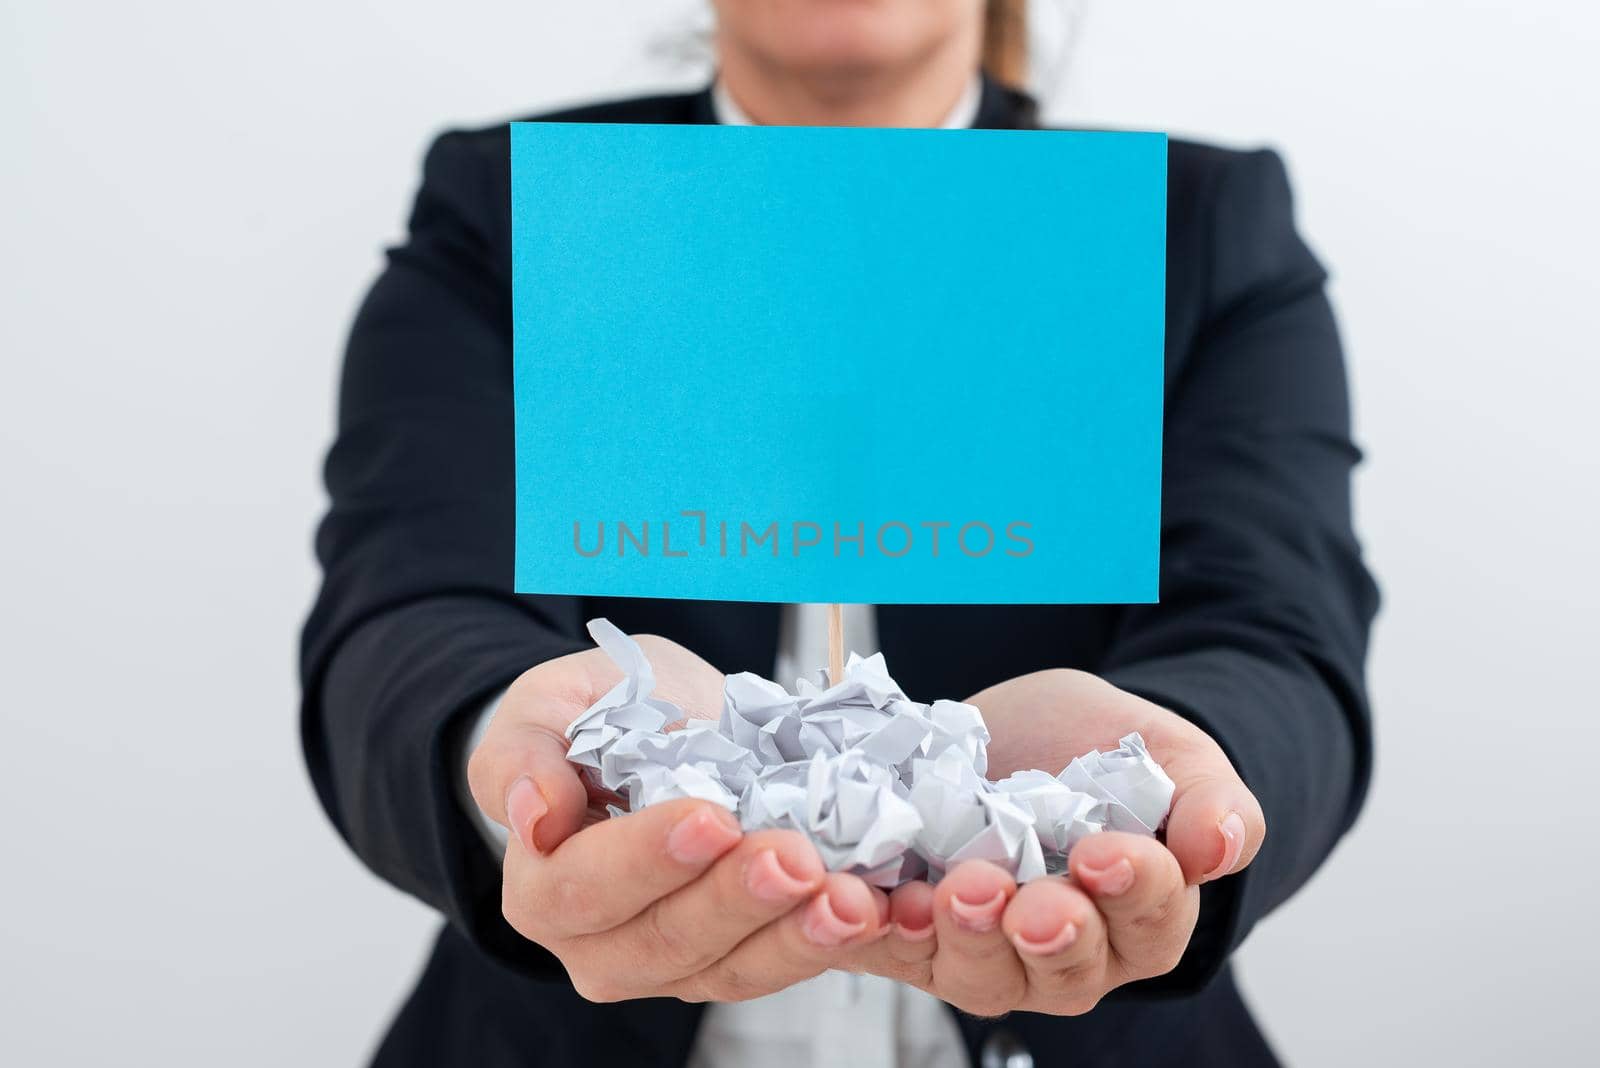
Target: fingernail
x: 1109, y: 882
x: 525, y: 807
x: 1047, y: 946
x: 914, y: 934
x: 825, y: 927
x: 978, y: 916
x: 766, y: 879
x: 703, y: 835
x: 1232, y: 828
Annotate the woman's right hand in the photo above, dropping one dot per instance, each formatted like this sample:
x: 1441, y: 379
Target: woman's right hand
x: 669, y: 901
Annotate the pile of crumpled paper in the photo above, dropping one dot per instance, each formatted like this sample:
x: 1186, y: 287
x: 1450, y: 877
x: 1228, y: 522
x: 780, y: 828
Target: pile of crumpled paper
x: 886, y: 787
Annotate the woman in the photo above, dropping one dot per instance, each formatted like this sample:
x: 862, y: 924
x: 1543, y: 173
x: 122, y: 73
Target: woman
x: 587, y: 942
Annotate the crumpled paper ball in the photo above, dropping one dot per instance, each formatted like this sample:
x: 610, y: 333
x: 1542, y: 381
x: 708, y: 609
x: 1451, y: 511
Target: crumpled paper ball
x: 885, y: 787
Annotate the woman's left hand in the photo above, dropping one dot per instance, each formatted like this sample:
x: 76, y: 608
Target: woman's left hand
x: 1127, y: 907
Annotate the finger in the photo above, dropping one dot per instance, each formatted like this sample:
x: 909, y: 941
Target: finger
x: 806, y: 941
x: 912, y: 936
x: 766, y: 876
x: 521, y: 779
x: 1136, y: 884
x: 905, y: 952
x: 607, y: 874
x: 1060, y: 938
x: 975, y: 966
x: 1216, y: 826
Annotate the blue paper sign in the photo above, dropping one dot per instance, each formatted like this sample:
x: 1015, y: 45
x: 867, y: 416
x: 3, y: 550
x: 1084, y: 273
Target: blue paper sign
x: 802, y: 364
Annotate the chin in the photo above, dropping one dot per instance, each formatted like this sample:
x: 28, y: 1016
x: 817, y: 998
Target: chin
x: 842, y: 35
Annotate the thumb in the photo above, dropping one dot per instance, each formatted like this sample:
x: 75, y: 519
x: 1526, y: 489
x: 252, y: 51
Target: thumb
x: 520, y: 778
x: 1216, y: 826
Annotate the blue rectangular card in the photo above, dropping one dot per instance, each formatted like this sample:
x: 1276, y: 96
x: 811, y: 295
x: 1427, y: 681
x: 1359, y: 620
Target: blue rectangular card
x: 818, y: 364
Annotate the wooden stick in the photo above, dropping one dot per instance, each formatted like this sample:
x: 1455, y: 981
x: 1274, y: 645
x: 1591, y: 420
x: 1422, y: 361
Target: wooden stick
x: 836, y: 643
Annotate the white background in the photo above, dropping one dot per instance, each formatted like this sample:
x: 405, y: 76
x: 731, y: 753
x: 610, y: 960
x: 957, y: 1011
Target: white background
x: 195, y: 195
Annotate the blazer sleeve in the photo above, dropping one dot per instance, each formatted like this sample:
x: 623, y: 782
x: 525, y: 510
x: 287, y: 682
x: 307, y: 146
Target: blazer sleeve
x: 416, y: 623
x: 1261, y: 630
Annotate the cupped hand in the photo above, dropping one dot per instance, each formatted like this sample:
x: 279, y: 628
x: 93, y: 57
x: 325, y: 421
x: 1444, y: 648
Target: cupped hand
x: 519, y: 774
x: 673, y: 901
x: 669, y: 901
x: 1127, y: 907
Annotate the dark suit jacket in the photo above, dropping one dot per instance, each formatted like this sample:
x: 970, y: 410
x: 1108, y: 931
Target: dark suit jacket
x: 1259, y: 635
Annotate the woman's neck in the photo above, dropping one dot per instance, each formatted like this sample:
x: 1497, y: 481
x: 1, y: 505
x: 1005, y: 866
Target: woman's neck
x: 919, y: 94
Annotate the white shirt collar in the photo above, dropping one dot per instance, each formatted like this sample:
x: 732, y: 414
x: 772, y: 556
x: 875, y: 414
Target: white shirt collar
x: 729, y: 113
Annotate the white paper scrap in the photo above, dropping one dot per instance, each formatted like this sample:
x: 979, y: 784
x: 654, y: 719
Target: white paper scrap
x: 884, y: 786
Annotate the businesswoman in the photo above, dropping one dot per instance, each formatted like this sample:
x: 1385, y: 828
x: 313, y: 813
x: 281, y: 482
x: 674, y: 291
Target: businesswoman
x: 434, y: 697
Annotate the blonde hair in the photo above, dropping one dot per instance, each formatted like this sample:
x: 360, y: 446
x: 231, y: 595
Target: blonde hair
x: 1005, y: 41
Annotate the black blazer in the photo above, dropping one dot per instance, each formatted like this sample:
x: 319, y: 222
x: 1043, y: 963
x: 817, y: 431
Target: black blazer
x: 1260, y: 634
